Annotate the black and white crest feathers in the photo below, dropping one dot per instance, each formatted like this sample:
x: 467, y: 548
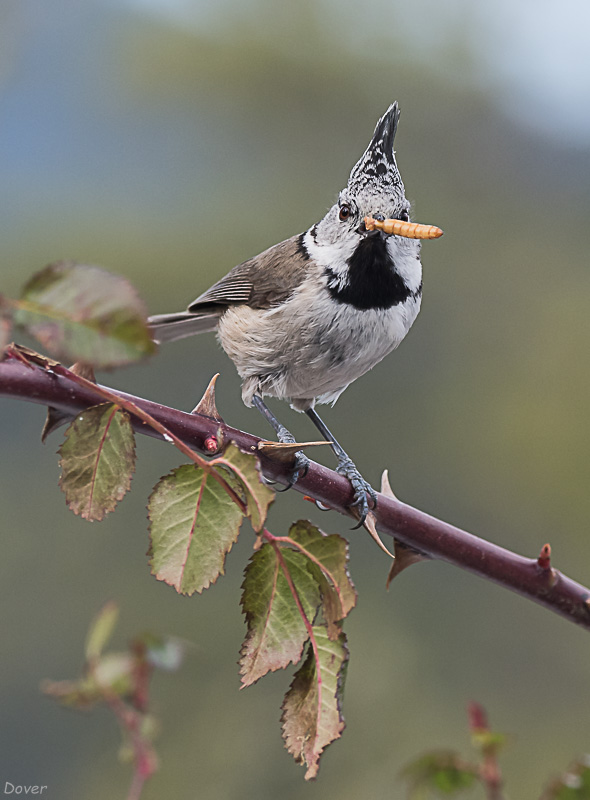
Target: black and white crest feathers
x: 376, y: 171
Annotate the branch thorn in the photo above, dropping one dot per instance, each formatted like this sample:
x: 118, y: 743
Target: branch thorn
x: 386, y: 486
x: 206, y: 406
x: 405, y: 555
x: 282, y: 452
x: 369, y: 525
x: 56, y: 417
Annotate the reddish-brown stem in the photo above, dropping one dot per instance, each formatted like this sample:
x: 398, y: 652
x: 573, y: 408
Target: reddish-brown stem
x: 308, y: 626
x: 288, y: 541
x: 99, y: 451
x: 489, y: 771
x: 136, y: 788
x: 141, y: 414
x: 273, y: 541
x: 142, y: 672
x: 144, y: 759
x: 427, y: 534
x: 491, y: 778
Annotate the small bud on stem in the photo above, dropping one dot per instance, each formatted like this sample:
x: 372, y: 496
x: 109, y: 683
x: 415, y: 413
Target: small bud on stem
x: 544, y: 560
x: 211, y: 444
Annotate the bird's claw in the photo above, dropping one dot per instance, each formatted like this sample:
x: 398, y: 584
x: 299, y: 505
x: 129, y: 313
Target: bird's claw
x: 300, y: 468
x: 361, y: 489
x: 301, y: 461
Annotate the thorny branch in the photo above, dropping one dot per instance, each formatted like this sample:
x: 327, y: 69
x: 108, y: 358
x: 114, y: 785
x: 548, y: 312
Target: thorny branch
x: 532, y: 578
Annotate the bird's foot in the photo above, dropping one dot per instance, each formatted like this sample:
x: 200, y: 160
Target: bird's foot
x: 361, y: 489
x: 301, y: 463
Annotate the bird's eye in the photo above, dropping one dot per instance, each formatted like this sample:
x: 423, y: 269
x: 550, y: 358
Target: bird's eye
x: 344, y: 211
x: 405, y: 215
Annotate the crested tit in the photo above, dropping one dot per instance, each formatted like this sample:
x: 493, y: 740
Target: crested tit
x: 308, y: 316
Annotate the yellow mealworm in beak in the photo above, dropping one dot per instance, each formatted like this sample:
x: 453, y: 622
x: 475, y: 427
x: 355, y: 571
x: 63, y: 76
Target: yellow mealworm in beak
x: 410, y: 230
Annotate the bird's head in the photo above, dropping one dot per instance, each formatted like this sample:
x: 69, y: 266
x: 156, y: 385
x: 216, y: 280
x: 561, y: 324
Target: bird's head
x: 375, y: 189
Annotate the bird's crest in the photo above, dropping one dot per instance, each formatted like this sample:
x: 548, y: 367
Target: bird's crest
x: 376, y: 171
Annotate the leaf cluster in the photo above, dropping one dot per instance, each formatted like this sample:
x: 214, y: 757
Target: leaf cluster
x: 121, y: 681
x: 296, y: 589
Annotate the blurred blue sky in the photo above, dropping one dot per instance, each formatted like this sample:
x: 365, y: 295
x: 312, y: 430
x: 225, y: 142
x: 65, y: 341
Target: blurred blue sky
x: 535, y: 53
x: 77, y: 134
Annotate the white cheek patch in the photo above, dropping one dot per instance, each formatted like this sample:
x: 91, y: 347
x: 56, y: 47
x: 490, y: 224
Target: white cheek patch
x: 333, y: 256
x: 405, y: 255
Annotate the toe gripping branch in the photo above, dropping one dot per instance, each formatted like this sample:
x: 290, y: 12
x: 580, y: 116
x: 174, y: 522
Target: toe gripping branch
x: 289, y: 449
x: 347, y: 467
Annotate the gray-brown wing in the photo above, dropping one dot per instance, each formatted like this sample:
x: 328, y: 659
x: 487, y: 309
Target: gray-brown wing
x: 260, y: 282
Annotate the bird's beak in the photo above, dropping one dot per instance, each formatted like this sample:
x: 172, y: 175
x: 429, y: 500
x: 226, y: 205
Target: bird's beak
x: 367, y: 232
x: 409, y: 230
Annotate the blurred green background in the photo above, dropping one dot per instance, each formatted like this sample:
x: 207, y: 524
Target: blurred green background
x: 168, y: 141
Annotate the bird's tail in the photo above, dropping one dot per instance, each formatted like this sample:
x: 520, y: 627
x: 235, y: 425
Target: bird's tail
x: 170, y: 327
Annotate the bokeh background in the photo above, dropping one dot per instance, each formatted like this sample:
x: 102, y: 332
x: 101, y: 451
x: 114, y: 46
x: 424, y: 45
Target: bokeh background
x: 170, y: 139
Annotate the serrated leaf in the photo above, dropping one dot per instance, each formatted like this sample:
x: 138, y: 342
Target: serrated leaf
x: 193, y: 526
x: 276, y: 630
x: 312, y: 717
x: 330, y: 554
x: 83, y: 313
x: 101, y: 630
x: 246, y: 468
x: 443, y: 773
x: 97, y: 460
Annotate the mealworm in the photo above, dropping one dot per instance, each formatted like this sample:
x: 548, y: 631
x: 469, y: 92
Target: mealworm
x: 410, y: 230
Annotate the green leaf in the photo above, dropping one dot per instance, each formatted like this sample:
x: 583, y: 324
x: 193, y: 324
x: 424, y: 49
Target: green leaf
x: 441, y: 773
x: 84, y: 313
x: 329, y: 558
x: 101, y: 630
x: 246, y: 468
x: 574, y: 784
x: 193, y: 526
x: 276, y: 630
x: 97, y: 460
x: 312, y: 717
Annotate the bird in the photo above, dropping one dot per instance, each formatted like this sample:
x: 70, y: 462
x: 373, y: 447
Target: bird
x: 305, y: 318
